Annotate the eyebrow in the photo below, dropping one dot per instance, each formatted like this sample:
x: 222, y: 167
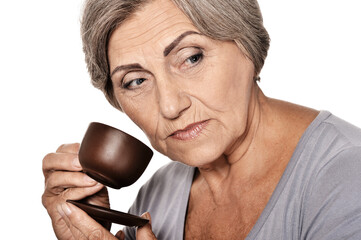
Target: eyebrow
x: 173, y: 44
x: 166, y: 52
x: 125, y: 67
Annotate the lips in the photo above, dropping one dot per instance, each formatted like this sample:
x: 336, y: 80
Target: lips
x: 190, y: 132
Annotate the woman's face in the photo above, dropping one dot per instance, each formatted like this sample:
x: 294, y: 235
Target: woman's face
x: 189, y: 94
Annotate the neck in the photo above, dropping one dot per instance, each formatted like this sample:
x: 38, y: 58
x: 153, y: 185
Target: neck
x: 243, y: 163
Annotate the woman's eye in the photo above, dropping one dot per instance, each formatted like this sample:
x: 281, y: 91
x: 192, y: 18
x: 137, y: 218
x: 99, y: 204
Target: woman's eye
x: 133, y: 83
x: 194, y: 59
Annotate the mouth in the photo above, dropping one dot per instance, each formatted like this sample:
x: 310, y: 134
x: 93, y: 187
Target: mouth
x: 190, y: 132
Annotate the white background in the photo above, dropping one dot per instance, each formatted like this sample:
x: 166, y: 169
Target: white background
x: 46, y: 97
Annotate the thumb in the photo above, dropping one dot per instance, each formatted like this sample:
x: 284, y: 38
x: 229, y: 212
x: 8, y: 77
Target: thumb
x: 145, y: 232
x: 120, y: 235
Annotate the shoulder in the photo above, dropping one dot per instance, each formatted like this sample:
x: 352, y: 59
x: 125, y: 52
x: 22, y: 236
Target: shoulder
x: 332, y: 208
x: 342, y: 170
x: 329, y: 171
x: 336, y: 156
x: 337, y: 145
x: 341, y: 128
x: 328, y: 141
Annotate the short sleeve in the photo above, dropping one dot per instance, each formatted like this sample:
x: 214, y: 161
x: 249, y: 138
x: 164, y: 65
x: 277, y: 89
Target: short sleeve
x: 332, y: 209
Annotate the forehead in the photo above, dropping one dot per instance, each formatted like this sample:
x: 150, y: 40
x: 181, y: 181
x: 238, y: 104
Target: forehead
x: 155, y: 25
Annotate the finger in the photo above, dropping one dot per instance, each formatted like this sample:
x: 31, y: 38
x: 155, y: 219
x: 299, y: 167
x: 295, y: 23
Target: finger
x: 145, y: 232
x: 60, y: 162
x: 62, y: 210
x: 81, y: 224
x: 120, y: 235
x: 101, y: 198
x: 59, y: 180
x: 73, y: 194
x: 69, y: 148
x: 81, y: 193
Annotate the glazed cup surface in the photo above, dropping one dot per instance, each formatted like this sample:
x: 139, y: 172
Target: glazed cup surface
x: 113, y: 157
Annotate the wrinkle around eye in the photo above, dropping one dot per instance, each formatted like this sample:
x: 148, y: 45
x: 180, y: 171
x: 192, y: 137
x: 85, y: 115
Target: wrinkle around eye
x: 134, y: 76
x: 130, y: 84
x: 194, y: 59
x: 188, y: 64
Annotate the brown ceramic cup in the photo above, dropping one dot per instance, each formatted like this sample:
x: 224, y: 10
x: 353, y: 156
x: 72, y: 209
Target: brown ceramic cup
x: 113, y: 157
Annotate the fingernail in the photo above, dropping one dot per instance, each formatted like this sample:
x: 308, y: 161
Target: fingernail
x: 66, y: 208
x: 76, y: 163
x: 89, y: 179
x: 146, y: 215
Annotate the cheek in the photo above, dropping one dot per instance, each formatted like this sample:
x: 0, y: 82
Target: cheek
x: 225, y: 87
x: 144, y: 111
x: 141, y: 117
x: 144, y: 116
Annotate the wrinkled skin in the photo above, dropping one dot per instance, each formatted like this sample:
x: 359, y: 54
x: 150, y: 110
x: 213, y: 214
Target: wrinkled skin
x: 196, y: 100
x: 64, y: 180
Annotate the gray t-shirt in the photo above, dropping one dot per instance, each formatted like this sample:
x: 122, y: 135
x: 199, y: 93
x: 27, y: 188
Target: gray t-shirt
x: 318, y: 196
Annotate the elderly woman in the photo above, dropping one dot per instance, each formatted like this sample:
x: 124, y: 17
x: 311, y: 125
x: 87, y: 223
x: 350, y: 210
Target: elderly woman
x: 245, y: 165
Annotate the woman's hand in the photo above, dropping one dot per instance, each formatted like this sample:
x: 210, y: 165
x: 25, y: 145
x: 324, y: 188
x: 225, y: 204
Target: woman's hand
x: 64, y: 180
x: 84, y: 227
x: 145, y: 232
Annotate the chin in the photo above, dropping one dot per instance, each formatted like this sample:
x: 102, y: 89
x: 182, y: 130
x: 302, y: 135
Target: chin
x: 197, y: 156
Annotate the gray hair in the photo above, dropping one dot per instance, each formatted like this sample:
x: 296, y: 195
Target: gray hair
x: 236, y: 20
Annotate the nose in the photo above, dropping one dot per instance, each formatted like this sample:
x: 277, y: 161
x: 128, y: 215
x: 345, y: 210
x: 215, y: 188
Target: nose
x: 172, y: 99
